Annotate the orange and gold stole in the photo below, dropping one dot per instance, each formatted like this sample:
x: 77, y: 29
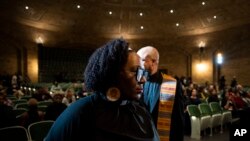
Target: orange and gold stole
x: 167, y: 96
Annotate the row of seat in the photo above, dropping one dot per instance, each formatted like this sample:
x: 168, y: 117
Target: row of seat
x: 22, y: 107
x: 35, y: 131
x: 24, y: 104
x: 14, y: 98
x: 207, y: 115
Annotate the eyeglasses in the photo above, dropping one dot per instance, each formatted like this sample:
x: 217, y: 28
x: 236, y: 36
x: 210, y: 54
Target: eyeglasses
x: 140, y: 73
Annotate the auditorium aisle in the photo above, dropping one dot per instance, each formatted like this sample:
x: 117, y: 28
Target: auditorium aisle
x: 216, y: 137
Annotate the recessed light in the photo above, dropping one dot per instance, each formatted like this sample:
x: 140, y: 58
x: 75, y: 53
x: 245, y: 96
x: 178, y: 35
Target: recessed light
x: 203, y: 3
x: 215, y: 16
x: 78, y: 6
x: 110, y: 13
x: 142, y: 27
x: 141, y: 14
x: 171, y: 11
x: 26, y: 7
x: 177, y: 24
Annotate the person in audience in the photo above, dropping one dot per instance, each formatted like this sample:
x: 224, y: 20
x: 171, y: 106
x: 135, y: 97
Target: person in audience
x: 112, y: 112
x: 5, y: 100
x: 222, y: 83
x: 240, y: 90
x: 194, y: 99
x: 246, y: 98
x: 234, y: 83
x: 56, y: 108
x: 149, y: 58
x: 227, y: 102
x: 14, y: 79
x: 42, y: 94
x: 18, y: 93
x: 7, y: 115
x: 69, y: 97
x: 56, y: 88
x: 33, y: 114
x: 213, y: 96
x: 238, y: 102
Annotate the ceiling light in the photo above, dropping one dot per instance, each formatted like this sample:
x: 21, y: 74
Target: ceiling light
x: 26, y: 7
x: 110, y: 12
x: 142, y: 27
x: 203, y: 3
x: 177, y: 24
x: 78, y: 6
x: 215, y: 16
x: 141, y: 14
x: 171, y: 11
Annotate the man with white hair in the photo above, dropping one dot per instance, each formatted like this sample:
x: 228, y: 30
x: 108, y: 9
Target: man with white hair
x: 174, y: 113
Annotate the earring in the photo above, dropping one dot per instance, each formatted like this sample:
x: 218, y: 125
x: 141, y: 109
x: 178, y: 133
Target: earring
x: 113, y: 94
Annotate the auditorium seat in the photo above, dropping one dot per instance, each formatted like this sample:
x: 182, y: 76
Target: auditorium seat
x: 39, y: 130
x: 199, y: 122
x: 14, y: 133
x: 215, y: 118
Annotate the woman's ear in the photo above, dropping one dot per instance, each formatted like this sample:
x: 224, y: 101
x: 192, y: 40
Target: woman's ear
x: 113, y: 94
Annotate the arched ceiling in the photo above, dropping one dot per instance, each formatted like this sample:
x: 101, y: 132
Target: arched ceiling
x: 91, y: 22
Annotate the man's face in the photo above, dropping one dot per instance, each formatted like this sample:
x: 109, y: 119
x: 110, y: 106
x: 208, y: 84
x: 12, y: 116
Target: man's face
x: 148, y: 64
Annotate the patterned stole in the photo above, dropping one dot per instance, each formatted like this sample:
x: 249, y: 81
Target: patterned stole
x: 166, y: 104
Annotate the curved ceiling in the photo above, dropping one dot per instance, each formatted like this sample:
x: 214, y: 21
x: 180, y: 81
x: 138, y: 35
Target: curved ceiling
x: 90, y: 22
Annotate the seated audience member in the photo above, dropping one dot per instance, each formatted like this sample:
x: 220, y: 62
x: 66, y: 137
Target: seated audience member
x: 56, y: 88
x: 56, y: 108
x: 240, y: 90
x: 112, y: 112
x: 246, y: 99
x: 194, y: 99
x: 238, y: 101
x: 18, y: 93
x: 227, y: 102
x: 69, y: 97
x: 33, y: 114
x: 42, y: 94
x: 7, y: 115
x: 5, y: 100
x: 213, y: 96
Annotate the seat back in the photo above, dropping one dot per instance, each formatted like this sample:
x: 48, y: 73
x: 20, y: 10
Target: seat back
x: 205, y: 109
x: 19, y: 111
x: 193, y: 110
x: 22, y: 105
x: 42, y: 108
x: 215, y: 107
x: 19, y: 101
x: 26, y: 97
x: 44, y: 103
x: 14, y: 133
x: 39, y: 130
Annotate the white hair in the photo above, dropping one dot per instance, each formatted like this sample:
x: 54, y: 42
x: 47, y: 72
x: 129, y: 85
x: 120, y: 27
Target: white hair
x: 149, y: 51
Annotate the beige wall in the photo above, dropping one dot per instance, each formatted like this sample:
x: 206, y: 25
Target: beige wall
x: 175, y: 60
x: 202, y: 71
x: 32, y: 62
x: 18, y: 56
x: 8, y: 59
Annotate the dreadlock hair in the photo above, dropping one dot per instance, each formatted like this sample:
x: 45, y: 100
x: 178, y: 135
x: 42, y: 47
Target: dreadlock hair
x: 105, y: 64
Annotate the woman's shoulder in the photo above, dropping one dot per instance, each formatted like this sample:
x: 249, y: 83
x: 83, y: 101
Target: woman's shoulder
x: 83, y: 104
